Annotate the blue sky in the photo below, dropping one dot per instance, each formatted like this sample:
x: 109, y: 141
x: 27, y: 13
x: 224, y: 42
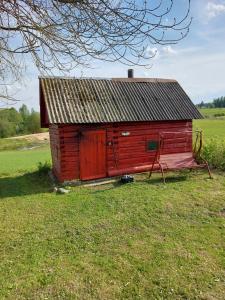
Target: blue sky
x: 197, y: 62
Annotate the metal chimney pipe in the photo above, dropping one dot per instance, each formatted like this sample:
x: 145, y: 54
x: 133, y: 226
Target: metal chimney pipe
x: 130, y: 73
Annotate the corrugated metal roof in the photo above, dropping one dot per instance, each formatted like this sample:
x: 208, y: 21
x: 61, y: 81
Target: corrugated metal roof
x: 71, y: 100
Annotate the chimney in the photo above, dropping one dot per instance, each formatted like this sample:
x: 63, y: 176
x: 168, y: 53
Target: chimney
x: 130, y: 73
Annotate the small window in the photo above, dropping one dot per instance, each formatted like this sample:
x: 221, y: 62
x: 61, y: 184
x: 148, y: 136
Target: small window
x: 152, y: 145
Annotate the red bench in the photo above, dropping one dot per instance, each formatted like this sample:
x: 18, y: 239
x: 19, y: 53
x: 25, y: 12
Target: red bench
x: 178, y: 161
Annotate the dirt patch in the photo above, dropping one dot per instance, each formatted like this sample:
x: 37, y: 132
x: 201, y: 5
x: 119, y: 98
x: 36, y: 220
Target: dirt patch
x: 44, y: 136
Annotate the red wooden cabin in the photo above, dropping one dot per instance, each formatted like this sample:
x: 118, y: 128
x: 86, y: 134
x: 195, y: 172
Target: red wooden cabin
x: 106, y: 127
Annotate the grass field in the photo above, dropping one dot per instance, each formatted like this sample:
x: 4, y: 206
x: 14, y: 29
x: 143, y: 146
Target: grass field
x: 19, y: 143
x: 23, y: 160
x: 143, y: 240
x: 211, y: 128
x: 212, y: 112
x: 138, y: 241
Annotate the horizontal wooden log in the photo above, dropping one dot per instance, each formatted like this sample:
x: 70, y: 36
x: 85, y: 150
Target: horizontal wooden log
x: 130, y: 151
x: 130, y: 170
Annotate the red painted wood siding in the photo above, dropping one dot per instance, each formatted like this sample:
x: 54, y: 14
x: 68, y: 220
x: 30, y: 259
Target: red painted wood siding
x: 124, y: 154
x: 69, y: 145
x: 130, y: 153
x: 55, y: 150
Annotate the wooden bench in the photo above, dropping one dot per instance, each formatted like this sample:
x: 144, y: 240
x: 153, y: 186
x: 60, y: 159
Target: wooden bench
x: 178, y: 161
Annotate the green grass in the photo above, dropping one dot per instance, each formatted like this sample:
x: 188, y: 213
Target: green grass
x: 23, y: 160
x: 213, y: 141
x: 143, y: 240
x: 14, y: 144
x: 211, y: 128
x: 211, y: 112
x: 137, y: 241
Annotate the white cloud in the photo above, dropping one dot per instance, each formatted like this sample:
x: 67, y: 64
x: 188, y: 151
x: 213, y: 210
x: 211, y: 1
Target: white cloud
x: 168, y: 50
x: 153, y: 52
x: 214, y: 9
x: 163, y: 52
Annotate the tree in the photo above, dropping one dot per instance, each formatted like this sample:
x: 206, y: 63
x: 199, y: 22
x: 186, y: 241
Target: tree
x: 63, y: 34
x: 24, y: 112
x: 219, y: 102
x: 33, y: 122
x: 202, y: 104
x: 6, y: 128
x: 10, y: 121
x: 13, y: 122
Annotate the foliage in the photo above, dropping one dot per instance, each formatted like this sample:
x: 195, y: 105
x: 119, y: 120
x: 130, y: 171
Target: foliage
x: 214, y: 152
x: 33, y: 122
x: 24, y: 112
x: 212, y: 113
x: 6, y: 128
x: 13, y: 122
x: 213, y: 141
x: 219, y: 115
x: 216, y: 103
x: 44, y: 168
x: 10, y: 122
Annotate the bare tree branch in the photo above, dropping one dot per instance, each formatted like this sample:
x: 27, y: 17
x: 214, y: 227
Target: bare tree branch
x: 63, y: 34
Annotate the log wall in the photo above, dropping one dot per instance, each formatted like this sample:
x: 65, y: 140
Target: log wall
x: 124, y: 154
x: 55, y: 150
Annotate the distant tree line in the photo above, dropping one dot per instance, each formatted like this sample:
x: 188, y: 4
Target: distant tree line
x: 23, y: 121
x: 216, y: 103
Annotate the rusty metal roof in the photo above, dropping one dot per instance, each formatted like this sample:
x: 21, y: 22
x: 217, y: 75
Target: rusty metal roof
x: 71, y: 100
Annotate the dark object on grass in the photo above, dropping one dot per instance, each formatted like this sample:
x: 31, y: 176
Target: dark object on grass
x: 126, y: 179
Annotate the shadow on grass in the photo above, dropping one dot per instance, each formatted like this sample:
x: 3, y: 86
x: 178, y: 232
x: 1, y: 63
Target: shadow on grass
x: 170, y: 179
x: 25, y: 184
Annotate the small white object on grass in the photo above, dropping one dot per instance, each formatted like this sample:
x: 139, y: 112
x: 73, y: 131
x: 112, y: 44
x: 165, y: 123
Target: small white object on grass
x: 62, y: 191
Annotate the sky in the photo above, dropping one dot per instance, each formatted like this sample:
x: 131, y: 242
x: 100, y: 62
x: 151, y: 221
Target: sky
x: 197, y: 62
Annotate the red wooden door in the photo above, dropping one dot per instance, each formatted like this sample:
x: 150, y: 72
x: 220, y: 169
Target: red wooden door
x: 93, y: 154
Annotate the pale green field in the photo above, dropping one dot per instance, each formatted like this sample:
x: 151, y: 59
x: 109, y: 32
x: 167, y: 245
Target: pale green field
x: 211, y: 128
x: 211, y: 112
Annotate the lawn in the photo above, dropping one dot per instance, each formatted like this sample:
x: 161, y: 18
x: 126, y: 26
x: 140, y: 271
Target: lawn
x: 211, y: 128
x: 143, y: 240
x: 137, y: 241
x: 23, y: 160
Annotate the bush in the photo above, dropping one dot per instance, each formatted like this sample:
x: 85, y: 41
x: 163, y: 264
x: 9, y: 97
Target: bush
x: 44, y: 168
x: 14, y: 123
x: 219, y: 115
x: 6, y: 129
x: 214, y: 152
x: 32, y: 123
